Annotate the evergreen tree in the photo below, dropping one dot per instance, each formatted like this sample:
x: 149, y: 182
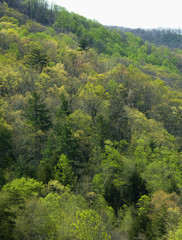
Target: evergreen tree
x: 37, y: 59
x: 5, y: 148
x: 38, y: 118
x: 37, y: 114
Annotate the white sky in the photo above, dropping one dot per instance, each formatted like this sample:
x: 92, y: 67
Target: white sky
x: 128, y: 13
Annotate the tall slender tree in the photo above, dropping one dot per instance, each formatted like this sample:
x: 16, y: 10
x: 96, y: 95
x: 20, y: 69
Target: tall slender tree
x: 39, y: 119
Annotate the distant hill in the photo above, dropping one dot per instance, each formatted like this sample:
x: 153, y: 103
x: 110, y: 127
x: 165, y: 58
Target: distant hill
x: 171, y: 38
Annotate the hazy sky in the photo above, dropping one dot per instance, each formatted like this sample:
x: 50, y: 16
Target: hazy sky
x: 129, y: 13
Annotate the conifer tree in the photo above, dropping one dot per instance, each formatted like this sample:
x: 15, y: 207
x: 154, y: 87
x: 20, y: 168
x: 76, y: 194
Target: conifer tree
x: 37, y: 114
x: 37, y: 59
x: 38, y: 118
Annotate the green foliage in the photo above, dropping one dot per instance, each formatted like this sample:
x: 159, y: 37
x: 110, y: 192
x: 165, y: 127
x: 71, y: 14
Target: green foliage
x: 63, y: 172
x: 53, y: 186
x: 163, y: 37
x: 175, y: 234
x: 36, y: 113
x: 87, y: 110
x: 5, y: 148
x: 7, y: 217
x: 94, y: 99
x: 143, y: 205
x: 9, y: 19
x: 83, y: 44
x: 116, y: 178
x: 89, y: 226
x: 62, y: 210
x: 37, y: 59
x: 24, y: 187
x: 163, y: 214
x: 33, y: 221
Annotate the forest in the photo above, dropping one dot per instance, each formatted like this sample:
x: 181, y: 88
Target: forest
x: 90, y: 129
x: 171, y: 38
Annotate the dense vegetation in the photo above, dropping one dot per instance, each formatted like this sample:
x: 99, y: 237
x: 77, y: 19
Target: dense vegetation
x: 90, y: 129
x: 171, y: 38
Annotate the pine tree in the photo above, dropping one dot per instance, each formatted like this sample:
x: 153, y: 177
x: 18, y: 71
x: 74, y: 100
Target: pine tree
x: 37, y: 114
x: 38, y: 118
x: 37, y: 59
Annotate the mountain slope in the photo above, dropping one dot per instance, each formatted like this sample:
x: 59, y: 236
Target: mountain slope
x: 90, y: 130
x: 171, y: 38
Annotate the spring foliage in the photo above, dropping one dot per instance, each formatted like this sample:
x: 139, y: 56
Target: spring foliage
x: 90, y: 129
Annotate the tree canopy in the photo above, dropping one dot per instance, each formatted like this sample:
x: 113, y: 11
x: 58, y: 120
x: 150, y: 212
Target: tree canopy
x: 90, y: 129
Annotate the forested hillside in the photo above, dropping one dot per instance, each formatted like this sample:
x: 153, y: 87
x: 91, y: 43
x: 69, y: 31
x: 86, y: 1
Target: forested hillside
x: 90, y: 129
x: 171, y: 38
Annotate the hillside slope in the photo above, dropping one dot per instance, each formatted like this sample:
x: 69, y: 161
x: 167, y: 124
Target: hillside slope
x: 90, y: 129
x: 171, y: 38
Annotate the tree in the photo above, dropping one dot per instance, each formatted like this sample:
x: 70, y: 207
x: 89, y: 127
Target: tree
x: 7, y: 217
x: 118, y: 119
x: 89, y: 226
x: 137, y: 187
x: 63, y: 172
x: 141, y: 220
x: 33, y: 221
x: 24, y: 187
x: 94, y: 99
x: 112, y: 178
x: 5, y: 148
x: 13, y: 4
x: 38, y: 118
x: 37, y: 59
x: 37, y: 114
x: 177, y: 233
x: 83, y: 44
x: 164, y: 214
